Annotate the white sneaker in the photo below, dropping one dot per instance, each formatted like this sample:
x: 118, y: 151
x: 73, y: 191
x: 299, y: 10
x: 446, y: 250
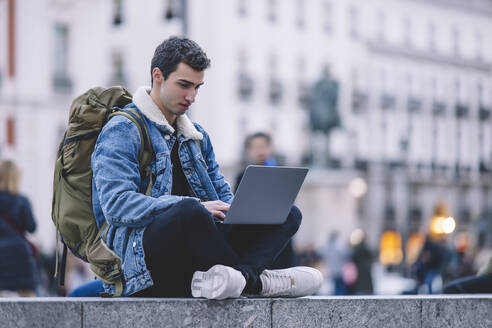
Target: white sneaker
x: 291, y: 282
x: 218, y: 283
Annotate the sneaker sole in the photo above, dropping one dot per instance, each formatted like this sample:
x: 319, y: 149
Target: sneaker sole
x: 213, y: 283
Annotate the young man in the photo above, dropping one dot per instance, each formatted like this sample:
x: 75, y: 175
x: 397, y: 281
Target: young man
x: 172, y: 240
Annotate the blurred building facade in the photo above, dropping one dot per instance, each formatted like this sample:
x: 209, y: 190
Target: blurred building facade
x: 415, y: 94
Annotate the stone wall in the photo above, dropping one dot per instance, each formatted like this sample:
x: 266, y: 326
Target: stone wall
x: 377, y: 311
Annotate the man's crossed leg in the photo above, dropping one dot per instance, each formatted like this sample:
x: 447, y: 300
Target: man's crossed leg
x: 185, y: 246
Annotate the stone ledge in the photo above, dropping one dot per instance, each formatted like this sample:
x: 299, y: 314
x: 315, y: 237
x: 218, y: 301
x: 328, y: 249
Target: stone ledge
x: 362, y: 311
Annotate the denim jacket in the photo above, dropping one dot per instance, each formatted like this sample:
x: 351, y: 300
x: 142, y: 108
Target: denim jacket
x: 118, y: 191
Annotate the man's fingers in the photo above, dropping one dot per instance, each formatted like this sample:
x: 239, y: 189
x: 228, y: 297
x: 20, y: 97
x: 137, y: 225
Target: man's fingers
x: 224, y: 207
x: 219, y: 215
x: 220, y: 205
x: 216, y: 208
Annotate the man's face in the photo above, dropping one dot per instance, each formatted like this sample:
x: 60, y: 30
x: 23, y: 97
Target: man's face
x: 179, y: 90
x: 259, y: 150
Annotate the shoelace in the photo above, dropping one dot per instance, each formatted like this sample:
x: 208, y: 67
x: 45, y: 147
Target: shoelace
x: 278, y: 282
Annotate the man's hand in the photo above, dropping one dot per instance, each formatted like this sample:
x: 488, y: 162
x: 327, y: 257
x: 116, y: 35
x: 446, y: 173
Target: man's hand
x: 216, y: 208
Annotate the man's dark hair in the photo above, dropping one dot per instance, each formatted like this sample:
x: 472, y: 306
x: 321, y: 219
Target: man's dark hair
x: 263, y: 135
x: 175, y: 50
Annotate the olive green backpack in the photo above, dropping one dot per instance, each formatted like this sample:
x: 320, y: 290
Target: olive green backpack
x: 72, y: 210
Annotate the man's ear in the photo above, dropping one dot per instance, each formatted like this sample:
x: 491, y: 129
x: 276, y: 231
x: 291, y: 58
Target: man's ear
x: 157, y: 76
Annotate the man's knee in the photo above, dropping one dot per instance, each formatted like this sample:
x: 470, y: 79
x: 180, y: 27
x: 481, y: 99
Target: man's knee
x: 294, y: 219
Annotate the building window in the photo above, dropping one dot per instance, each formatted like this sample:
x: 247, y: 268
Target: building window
x: 460, y: 106
x: 61, y: 80
x: 480, y: 94
x: 173, y: 10
x: 242, y: 10
x: 353, y: 23
x: 275, y: 91
x: 359, y: 97
x: 438, y: 106
x: 407, y: 32
x: 300, y: 14
x: 479, y: 43
x: 275, y: 87
x: 272, y: 11
x: 303, y: 94
x: 381, y: 21
x: 409, y: 82
x: 117, y: 12
x: 359, y: 100
x: 432, y: 37
x: 327, y: 16
x: 387, y: 99
x: 245, y: 86
x: 413, y: 101
x: 484, y: 111
x: 302, y: 86
x: 456, y: 41
x: 245, y: 81
x: 118, y: 75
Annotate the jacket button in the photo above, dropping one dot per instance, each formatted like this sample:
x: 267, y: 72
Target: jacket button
x: 134, y: 244
x: 142, y: 281
x: 167, y: 137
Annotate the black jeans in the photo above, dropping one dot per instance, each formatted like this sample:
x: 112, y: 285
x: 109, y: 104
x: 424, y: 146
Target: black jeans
x: 186, y: 239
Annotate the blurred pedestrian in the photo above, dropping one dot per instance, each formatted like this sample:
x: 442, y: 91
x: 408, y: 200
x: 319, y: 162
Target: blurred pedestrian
x: 362, y: 257
x: 18, y: 272
x: 431, y: 263
x: 479, y: 284
x: 335, y: 255
x: 259, y: 151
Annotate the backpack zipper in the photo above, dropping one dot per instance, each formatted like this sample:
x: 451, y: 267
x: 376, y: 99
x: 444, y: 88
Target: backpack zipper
x: 83, y: 136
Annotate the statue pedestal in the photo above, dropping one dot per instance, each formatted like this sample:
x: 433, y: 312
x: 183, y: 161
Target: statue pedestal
x: 326, y: 204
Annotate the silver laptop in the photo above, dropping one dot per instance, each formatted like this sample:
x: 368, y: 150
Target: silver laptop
x: 265, y: 195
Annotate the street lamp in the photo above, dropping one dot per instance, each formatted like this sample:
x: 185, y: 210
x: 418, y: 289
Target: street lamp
x: 441, y: 225
x: 358, y: 187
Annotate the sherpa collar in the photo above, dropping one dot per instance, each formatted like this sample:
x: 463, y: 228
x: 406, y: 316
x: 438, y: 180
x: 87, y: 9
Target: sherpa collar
x: 144, y: 102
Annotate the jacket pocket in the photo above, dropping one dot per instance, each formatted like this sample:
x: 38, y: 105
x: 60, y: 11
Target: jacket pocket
x: 200, y: 160
x: 158, y: 172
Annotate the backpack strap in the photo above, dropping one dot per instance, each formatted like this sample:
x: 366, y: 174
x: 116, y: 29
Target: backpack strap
x: 146, y: 150
x: 63, y: 265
